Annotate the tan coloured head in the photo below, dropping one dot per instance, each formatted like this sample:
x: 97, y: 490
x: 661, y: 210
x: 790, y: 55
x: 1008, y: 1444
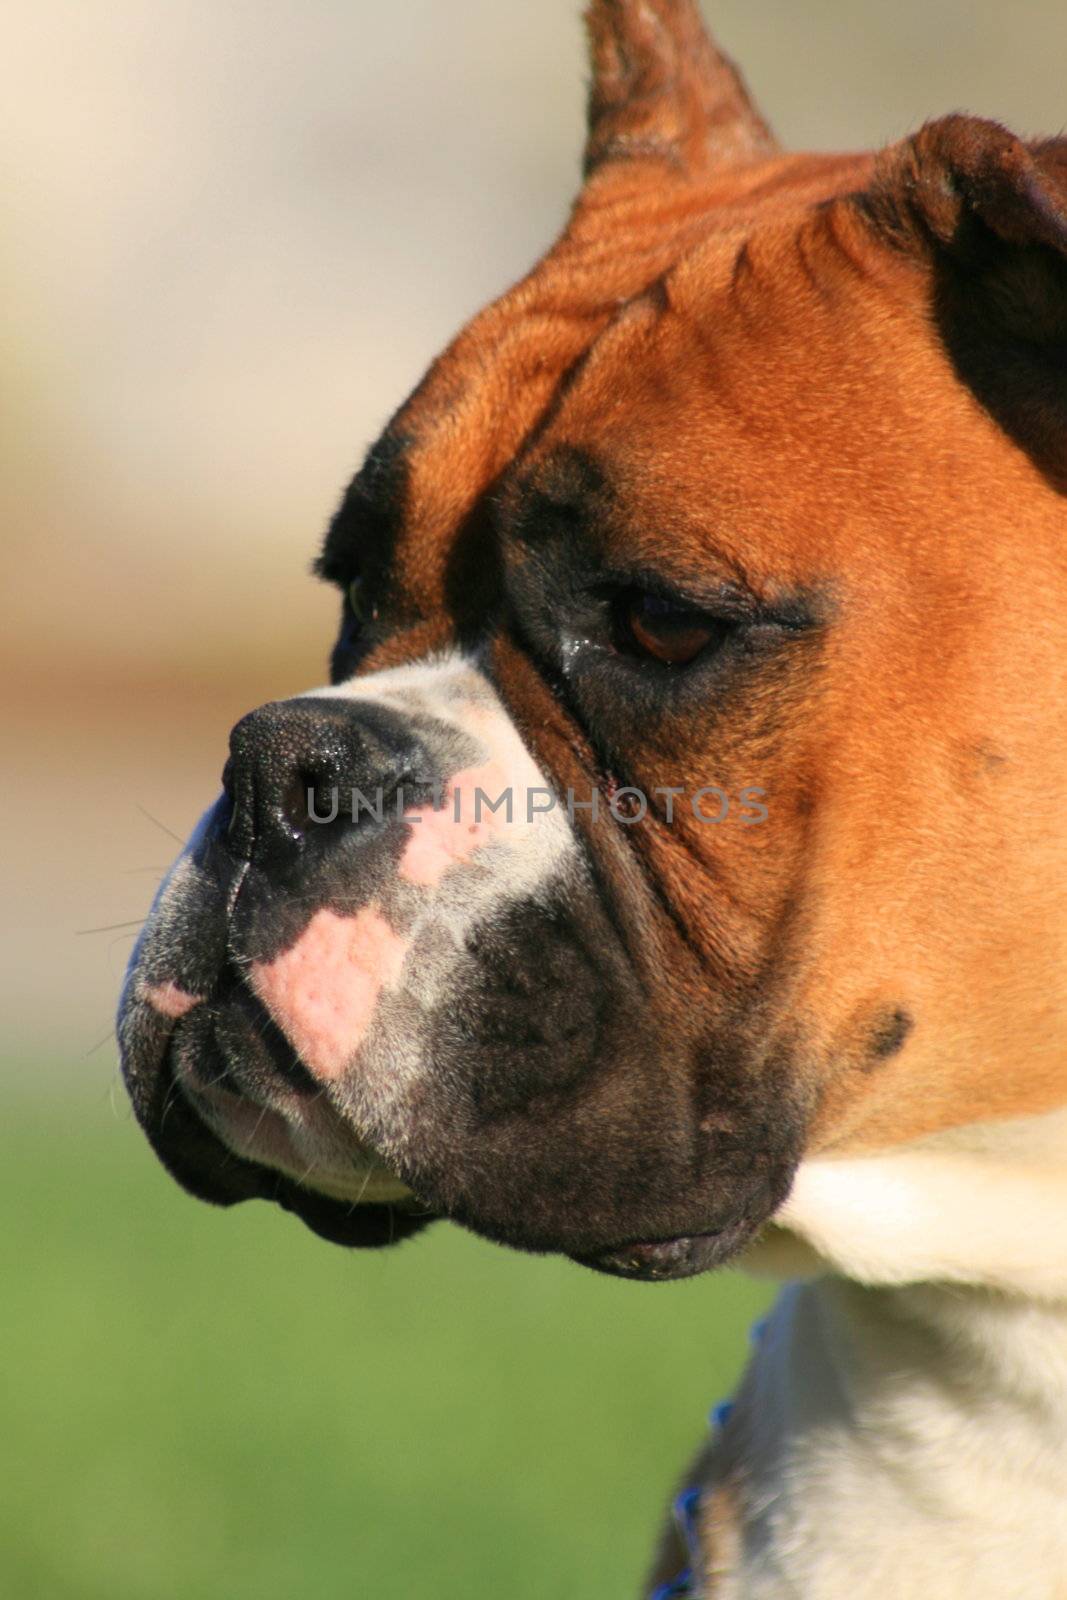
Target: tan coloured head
x: 754, y: 485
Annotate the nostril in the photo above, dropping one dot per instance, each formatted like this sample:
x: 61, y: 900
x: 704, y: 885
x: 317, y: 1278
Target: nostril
x: 303, y: 769
x: 310, y: 797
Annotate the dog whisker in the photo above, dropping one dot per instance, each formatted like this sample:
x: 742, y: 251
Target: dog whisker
x: 111, y: 927
x: 161, y: 825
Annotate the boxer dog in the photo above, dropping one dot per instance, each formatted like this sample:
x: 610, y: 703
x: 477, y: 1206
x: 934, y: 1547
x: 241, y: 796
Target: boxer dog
x: 755, y: 483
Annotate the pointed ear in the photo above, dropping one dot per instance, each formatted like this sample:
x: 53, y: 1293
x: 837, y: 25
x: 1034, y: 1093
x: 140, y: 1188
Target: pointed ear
x: 662, y: 93
x: 988, y: 213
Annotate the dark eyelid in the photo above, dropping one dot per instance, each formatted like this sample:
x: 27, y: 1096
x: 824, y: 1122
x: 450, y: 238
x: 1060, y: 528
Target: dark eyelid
x: 722, y: 602
x: 342, y: 570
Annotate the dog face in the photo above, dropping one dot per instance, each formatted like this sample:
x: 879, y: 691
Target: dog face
x: 680, y: 761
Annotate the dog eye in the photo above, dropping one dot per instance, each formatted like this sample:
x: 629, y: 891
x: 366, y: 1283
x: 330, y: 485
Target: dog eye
x: 665, y: 629
x: 359, y: 603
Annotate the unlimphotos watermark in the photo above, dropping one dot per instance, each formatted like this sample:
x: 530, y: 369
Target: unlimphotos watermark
x: 710, y: 804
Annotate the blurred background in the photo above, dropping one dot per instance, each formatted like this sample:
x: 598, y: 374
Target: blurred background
x: 235, y: 235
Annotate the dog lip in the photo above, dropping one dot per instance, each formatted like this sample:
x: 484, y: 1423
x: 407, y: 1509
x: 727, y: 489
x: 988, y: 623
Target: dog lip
x: 666, y: 1260
x: 192, y: 1152
x: 353, y: 1226
x: 338, y: 1221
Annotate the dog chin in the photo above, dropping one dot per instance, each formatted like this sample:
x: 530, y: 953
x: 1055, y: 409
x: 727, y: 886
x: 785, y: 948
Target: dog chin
x: 369, y: 1206
x: 364, y: 1203
x: 356, y: 1224
x: 665, y: 1260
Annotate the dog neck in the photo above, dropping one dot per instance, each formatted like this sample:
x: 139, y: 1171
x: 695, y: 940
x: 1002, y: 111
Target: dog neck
x: 913, y: 1378
x: 935, y: 1413
x: 979, y: 1205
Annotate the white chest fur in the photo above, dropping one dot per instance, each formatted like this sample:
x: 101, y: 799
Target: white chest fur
x: 902, y: 1430
x: 904, y: 1442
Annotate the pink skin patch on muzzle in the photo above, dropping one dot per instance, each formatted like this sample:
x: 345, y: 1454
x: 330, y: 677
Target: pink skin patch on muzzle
x: 170, y: 1000
x: 323, y: 990
x: 450, y: 835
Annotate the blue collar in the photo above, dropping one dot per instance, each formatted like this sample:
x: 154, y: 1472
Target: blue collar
x: 687, y: 1506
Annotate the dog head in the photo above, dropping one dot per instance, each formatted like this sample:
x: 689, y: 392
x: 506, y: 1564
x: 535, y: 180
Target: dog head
x: 686, y: 797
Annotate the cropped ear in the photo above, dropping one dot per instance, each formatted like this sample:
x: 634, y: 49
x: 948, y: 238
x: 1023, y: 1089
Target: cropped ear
x: 988, y: 213
x: 662, y: 93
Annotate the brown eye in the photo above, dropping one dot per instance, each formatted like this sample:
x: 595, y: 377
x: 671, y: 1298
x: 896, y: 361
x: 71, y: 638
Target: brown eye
x: 667, y: 631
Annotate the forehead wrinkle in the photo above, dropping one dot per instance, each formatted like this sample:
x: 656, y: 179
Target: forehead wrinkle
x: 578, y: 487
x: 564, y: 477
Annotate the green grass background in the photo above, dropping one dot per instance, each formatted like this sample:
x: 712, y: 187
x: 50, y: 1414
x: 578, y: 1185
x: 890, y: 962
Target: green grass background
x: 216, y: 1404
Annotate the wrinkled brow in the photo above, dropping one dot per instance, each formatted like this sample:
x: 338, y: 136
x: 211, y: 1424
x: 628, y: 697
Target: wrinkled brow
x: 567, y: 485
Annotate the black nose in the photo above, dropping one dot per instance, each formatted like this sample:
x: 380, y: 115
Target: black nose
x: 295, y: 765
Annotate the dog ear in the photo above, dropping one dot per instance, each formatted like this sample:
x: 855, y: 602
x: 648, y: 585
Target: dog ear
x: 988, y: 214
x: 663, y: 94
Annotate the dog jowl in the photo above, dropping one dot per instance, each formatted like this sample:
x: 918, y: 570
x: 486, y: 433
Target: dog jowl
x: 728, y: 491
